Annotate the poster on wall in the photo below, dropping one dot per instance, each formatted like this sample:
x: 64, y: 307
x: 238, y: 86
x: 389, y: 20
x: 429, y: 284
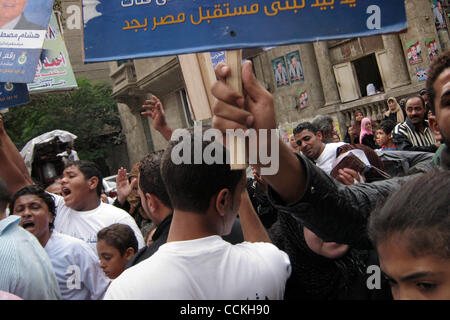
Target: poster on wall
x: 280, y: 72
x: 432, y: 48
x: 295, y: 67
x: 414, y: 52
x: 303, y: 98
x: 286, y: 130
x: 421, y: 74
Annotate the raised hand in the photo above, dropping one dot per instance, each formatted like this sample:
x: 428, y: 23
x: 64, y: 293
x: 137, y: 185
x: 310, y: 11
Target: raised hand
x: 123, y: 185
x: 154, y: 108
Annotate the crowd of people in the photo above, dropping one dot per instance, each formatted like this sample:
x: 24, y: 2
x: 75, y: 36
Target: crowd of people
x: 334, y: 211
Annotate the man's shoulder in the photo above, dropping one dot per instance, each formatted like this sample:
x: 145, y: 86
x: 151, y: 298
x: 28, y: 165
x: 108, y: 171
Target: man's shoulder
x: 106, y: 208
x: 25, y: 24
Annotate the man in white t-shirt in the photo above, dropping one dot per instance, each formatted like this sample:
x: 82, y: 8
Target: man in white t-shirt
x: 69, y: 155
x: 309, y: 138
x: 196, y: 263
x: 80, y: 212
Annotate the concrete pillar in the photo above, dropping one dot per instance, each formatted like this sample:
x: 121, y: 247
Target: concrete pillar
x: 398, y: 71
x: 329, y: 87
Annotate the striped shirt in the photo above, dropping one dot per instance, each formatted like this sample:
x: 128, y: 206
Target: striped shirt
x: 415, y: 137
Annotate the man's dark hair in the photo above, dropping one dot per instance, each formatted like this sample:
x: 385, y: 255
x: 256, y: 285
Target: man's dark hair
x: 39, y: 192
x: 150, y: 180
x: 324, y: 124
x: 119, y: 236
x: 424, y: 221
x: 305, y: 126
x: 387, y: 126
x: 191, y: 186
x: 89, y: 169
x: 439, y: 64
x: 415, y: 97
x: 4, y: 195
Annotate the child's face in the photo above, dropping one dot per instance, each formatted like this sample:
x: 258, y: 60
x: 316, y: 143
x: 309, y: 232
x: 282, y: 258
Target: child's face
x: 414, y: 277
x: 382, y: 137
x: 111, y: 261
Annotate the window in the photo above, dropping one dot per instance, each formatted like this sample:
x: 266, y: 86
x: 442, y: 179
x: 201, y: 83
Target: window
x: 186, y: 108
x: 368, y: 75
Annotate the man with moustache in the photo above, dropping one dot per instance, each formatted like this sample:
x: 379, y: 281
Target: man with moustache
x: 12, y: 17
x: 414, y: 134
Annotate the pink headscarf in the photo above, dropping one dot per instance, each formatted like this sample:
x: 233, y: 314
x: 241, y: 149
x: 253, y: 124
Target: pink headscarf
x: 364, y: 131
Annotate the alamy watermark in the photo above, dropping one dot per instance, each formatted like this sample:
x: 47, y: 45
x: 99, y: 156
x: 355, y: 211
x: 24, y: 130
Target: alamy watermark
x: 259, y: 142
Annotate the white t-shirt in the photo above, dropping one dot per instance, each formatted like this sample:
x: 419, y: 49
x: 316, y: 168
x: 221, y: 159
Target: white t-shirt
x: 328, y: 156
x: 84, y: 225
x: 76, y: 267
x: 206, y: 269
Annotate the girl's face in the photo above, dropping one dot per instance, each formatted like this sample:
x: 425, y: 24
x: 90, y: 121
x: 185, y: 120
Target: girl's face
x: 391, y: 105
x: 35, y: 216
x: 368, y: 126
x: 358, y: 116
x: 424, y: 277
x: 111, y: 261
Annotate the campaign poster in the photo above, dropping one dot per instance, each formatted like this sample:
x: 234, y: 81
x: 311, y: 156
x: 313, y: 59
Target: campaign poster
x: 280, y: 72
x: 302, y: 97
x: 131, y: 29
x: 414, y: 52
x: 23, y: 25
x: 295, y: 68
x: 432, y: 48
x: 13, y: 94
x: 54, y: 70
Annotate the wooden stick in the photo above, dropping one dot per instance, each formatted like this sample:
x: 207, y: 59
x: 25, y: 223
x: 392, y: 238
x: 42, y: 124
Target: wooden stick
x: 233, y: 59
x: 195, y: 86
x: 199, y: 76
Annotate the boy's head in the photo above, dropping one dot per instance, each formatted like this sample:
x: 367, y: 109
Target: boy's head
x: 116, y: 244
x: 384, y: 132
x: 80, y: 180
x: 199, y: 185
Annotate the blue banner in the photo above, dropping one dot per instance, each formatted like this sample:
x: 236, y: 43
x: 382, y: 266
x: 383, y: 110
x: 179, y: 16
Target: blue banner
x: 23, y: 25
x: 13, y: 94
x: 126, y: 29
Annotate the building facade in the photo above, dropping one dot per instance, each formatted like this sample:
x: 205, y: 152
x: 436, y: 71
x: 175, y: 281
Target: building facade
x: 334, y: 78
x: 71, y: 16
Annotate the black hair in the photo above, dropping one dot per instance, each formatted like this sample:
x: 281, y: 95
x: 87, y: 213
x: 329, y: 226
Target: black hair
x: 89, y: 169
x: 4, y: 195
x: 39, y: 192
x: 119, y: 236
x: 422, y: 221
x: 305, y: 126
x: 191, y: 186
x: 415, y: 97
x: 387, y: 126
x: 439, y: 64
x: 150, y: 180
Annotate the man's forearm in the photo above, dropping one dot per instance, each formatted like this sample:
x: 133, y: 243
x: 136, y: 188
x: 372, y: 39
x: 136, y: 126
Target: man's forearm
x: 252, y: 227
x: 166, y: 132
x: 13, y: 154
x: 290, y: 181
